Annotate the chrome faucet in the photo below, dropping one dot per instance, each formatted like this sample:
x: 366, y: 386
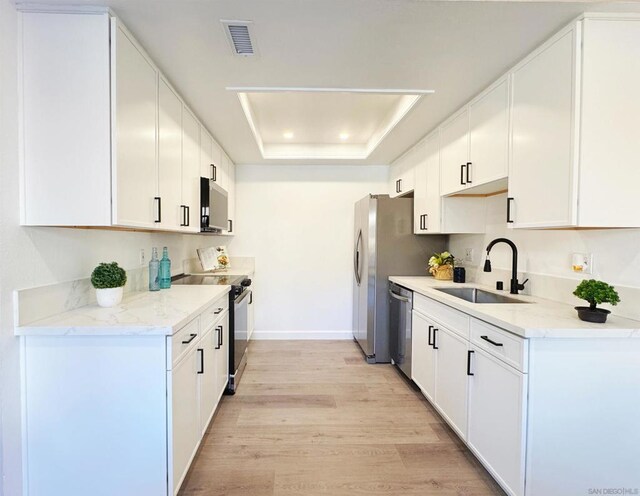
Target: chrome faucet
x: 515, y: 285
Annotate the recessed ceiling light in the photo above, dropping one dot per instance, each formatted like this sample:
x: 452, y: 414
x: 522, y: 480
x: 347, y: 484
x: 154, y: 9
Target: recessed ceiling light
x: 287, y: 134
x: 344, y: 136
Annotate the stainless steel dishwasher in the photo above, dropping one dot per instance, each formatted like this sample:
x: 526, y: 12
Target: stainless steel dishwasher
x: 400, y: 307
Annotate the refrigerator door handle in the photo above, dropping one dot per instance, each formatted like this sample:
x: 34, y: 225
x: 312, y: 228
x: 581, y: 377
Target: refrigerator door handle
x: 356, y: 258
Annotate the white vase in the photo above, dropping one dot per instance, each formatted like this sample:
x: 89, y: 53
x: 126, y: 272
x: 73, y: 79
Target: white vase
x: 109, y: 297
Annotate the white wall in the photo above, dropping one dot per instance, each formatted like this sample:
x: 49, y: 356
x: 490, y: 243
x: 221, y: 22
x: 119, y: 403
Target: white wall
x: 37, y: 256
x: 298, y: 223
x: 545, y: 256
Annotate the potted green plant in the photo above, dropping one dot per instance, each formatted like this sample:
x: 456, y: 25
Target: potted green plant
x: 441, y: 266
x: 109, y: 280
x: 595, y: 292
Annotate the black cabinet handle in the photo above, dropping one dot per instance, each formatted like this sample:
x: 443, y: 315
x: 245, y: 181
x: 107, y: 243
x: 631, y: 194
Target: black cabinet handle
x: 426, y: 217
x: 193, y: 336
x: 462, y: 174
x: 201, y: 351
x: 509, y: 219
x: 219, y: 331
x: 468, y: 181
x: 218, y: 311
x: 399, y: 185
x: 230, y: 221
x: 221, y: 336
x: 429, y: 339
x: 214, y: 172
x: 469, y: 353
x: 188, y: 214
x: 433, y: 345
x: 486, y: 338
x: 182, y: 210
x: 159, y: 200
x: 251, y: 298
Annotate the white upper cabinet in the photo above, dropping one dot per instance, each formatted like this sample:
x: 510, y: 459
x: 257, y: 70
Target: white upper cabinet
x: 542, y: 137
x: 206, y: 153
x: 135, y: 111
x: 574, y: 109
x: 232, y: 197
x: 105, y: 139
x: 475, y: 144
x: 402, y: 173
x: 169, y: 156
x: 454, y: 136
x: 489, y: 137
x: 434, y: 214
x: 190, y: 170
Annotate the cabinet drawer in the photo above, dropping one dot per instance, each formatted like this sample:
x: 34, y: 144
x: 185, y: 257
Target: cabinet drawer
x: 214, y: 312
x: 452, y: 319
x: 183, y: 340
x: 503, y: 345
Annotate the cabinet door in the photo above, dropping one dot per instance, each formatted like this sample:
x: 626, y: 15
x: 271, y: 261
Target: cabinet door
x: 420, y: 194
x: 454, y: 136
x: 451, y: 378
x: 222, y: 360
x: 185, y: 414
x: 541, y: 172
x: 190, y: 171
x: 170, y: 156
x: 136, y: 108
x: 207, y: 377
x: 206, y: 153
x: 433, y: 202
x: 231, y: 189
x: 216, y: 160
x: 423, y: 362
x: 223, y: 171
x: 395, y: 173
x: 497, y: 394
x: 489, y: 136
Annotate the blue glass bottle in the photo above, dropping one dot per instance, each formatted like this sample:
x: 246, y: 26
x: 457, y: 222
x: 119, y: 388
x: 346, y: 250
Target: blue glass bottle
x: 165, y: 269
x: 154, y: 271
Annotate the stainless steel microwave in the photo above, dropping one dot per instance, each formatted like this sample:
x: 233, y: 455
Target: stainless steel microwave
x: 214, y: 206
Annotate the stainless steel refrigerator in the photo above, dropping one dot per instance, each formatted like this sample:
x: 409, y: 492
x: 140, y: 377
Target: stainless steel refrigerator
x: 384, y: 245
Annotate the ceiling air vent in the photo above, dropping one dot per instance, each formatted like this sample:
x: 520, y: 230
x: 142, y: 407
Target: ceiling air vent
x: 239, y: 36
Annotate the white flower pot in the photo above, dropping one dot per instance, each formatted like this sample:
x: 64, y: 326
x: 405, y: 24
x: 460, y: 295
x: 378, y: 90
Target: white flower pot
x: 109, y: 297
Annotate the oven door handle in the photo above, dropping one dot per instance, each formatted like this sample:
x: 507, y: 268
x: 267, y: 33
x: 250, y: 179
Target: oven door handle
x: 240, y: 298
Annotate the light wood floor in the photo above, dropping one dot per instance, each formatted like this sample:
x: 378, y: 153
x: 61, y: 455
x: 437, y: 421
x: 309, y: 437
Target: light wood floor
x: 312, y: 418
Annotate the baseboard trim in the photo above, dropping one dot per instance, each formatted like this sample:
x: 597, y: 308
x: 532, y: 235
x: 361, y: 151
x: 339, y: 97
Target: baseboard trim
x: 258, y: 335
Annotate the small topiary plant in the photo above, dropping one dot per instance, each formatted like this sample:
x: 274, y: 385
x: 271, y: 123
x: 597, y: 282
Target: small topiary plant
x: 108, y: 275
x: 596, y: 292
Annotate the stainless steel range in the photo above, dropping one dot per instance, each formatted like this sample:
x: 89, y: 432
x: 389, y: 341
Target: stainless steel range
x: 239, y: 298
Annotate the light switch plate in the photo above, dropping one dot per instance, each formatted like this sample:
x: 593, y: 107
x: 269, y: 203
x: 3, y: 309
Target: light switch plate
x: 468, y: 255
x: 142, y: 256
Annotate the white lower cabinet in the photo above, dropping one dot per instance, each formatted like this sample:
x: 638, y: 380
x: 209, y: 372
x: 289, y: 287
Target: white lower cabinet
x: 497, y: 416
x: 121, y: 414
x: 208, y: 378
x: 185, y: 422
x: 451, y: 378
x: 423, y: 361
x: 481, y: 396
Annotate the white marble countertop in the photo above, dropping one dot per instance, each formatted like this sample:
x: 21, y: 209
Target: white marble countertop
x: 539, y: 318
x: 150, y: 313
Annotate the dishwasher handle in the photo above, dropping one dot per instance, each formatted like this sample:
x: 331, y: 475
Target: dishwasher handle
x: 398, y: 297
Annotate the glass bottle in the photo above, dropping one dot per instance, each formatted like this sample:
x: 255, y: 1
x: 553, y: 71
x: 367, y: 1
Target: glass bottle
x: 154, y: 271
x: 165, y: 269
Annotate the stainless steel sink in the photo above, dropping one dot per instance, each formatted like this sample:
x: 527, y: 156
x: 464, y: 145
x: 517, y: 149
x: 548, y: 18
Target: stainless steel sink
x: 475, y: 295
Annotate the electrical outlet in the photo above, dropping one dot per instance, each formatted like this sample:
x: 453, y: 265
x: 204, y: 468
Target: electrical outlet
x: 142, y: 257
x: 582, y: 263
x: 468, y: 255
